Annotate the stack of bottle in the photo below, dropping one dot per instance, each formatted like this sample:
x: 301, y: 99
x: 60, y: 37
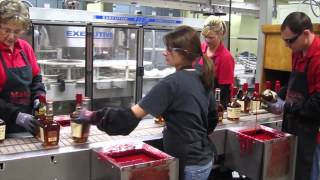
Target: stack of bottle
x: 255, y: 100
x: 242, y: 102
x: 268, y: 94
x: 2, y: 130
x: 233, y: 108
x: 219, y: 106
x: 79, y: 132
x: 49, y: 130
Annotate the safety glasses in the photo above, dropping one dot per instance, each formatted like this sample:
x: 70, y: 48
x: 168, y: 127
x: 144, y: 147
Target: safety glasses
x: 170, y: 50
x: 293, y: 39
x: 6, y: 31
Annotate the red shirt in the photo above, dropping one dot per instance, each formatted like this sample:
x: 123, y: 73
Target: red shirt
x: 224, y: 64
x: 14, y: 59
x: 313, y: 74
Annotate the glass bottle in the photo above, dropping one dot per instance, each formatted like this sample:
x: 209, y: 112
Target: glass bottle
x: 255, y: 100
x: 49, y: 129
x: 2, y: 130
x: 277, y: 86
x: 160, y: 120
x: 74, y: 126
x: 80, y: 132
x: 233, y: 108
x: 268, y: 94
x: 245, y: 99
x: 220, y: 108
x: 40, y: 113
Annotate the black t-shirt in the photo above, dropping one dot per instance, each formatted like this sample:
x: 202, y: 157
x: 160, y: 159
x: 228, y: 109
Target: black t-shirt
x: 187, y: 108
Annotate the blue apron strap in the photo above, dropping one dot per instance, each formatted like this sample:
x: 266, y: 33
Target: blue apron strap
x: 3, y: 62
x: 25, y: 58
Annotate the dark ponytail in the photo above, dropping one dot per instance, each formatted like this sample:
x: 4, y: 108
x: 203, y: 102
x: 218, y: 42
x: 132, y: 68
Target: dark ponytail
x: 188, y: 42
x: 208, y: 71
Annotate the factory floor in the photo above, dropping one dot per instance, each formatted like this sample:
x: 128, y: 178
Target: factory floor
x: 225, y: 174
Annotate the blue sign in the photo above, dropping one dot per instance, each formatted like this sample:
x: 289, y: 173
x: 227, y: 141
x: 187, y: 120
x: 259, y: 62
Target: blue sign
x: 82, y: 34
x: 138, y: 19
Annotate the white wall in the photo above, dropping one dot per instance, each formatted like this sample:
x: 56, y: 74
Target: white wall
x: 284, y: 10
x: 245, y: 27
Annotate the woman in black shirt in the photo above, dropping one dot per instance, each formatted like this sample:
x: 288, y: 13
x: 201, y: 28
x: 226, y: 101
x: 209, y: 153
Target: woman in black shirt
x: 184, y: 99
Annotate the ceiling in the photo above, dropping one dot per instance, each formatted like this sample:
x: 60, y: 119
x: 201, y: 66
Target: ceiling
x: 250, y: 7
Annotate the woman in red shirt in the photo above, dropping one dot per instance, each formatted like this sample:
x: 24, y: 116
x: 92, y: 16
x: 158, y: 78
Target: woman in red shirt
x: 213, y: 32
x: 20, y: 79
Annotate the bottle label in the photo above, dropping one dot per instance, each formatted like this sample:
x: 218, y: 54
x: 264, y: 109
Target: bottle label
x: 41, y: 134
x: 233, y: 112
x: 76, y: 130
x: 255, y: 105
x: 2, y: 132
x: 318, y: 137
x: 242, y: 105
x: 52, y: 136
x: 220, y: 116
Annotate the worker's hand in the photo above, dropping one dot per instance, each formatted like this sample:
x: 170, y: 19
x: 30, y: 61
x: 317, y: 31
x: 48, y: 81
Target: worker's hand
x: 275, y: 108
x: 28, y: 122
x: 36, y: 104
x: 85, y: 116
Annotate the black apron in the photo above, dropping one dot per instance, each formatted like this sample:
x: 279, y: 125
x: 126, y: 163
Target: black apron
x: 294, y: 124
x: 16, y: 90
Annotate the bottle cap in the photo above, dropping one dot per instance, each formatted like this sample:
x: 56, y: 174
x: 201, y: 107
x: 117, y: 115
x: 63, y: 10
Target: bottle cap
x: 277, y: 86
x: 268, y: 84
x: 245, y: 87
x: 42, y: 98
x: 78, y: 97
x: 234, y: 91
x: 256, y: 87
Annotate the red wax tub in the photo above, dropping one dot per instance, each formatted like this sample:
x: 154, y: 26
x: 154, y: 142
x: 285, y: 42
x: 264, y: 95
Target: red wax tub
x: 132, y: 157
x: 128, y: 154
x: 134, y: 161
x: 261, y: 134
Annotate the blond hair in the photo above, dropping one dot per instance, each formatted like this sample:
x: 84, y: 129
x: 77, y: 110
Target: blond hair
x: 14, y: 10
x: 214, y: 24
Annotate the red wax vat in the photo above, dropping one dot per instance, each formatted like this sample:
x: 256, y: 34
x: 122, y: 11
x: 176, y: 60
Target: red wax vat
x: 134, y: 161
x: 261, y: 154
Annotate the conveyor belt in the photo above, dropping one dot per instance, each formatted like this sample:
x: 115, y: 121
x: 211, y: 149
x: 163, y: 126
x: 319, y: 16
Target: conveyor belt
x: 27, y: 144
x: 146, y: 129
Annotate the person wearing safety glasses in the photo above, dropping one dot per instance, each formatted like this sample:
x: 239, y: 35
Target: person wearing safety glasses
x: 20, y: 79
x: 184, y: 99
x: 213, y: 31
x: 299, y: 100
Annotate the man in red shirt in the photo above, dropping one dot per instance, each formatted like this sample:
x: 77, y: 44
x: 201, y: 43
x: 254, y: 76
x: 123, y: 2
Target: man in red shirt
x: 300, y: 99
x: 20, y: 79
x: 213, y: 31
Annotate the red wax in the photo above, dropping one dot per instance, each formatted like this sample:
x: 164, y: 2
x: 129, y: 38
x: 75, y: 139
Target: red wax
x: 261, y: 134
x: 132, y: 157
x: 62, y: 120
x: 262, y: 137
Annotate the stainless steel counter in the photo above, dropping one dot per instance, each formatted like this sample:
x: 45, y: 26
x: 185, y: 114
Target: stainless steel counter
x: 72, y: 161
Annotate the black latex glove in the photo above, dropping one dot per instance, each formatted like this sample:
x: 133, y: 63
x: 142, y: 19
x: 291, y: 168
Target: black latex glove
x: 28, y: 122
x: 85, y: 117
x: 275, y: 108
x: 116, y: 121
